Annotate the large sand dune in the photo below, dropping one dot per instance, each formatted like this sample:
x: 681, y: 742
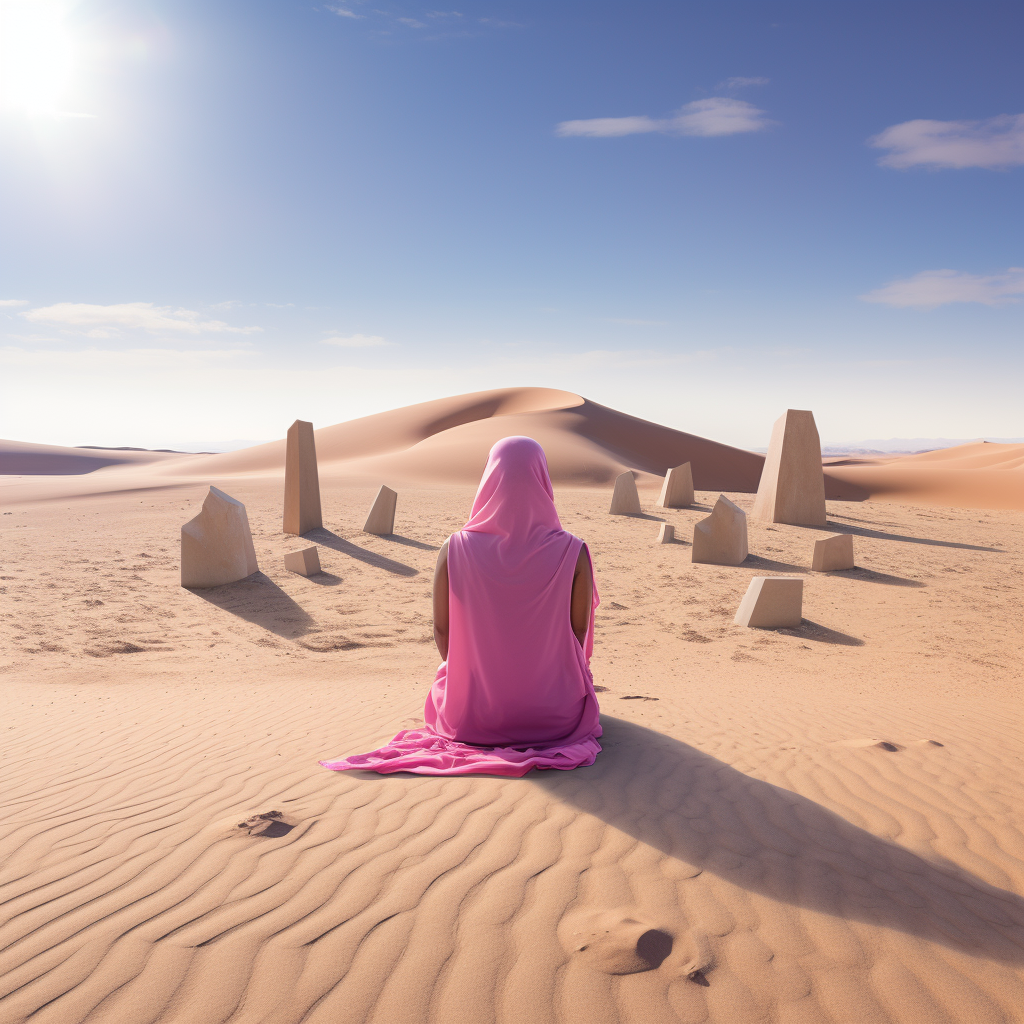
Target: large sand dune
x: 446, y: 442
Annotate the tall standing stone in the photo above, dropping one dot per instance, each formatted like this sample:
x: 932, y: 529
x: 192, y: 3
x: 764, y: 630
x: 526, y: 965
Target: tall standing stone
x: 677, y: 490
x: 216, y: 546
x: 301, y: 481
x: 792, y: 487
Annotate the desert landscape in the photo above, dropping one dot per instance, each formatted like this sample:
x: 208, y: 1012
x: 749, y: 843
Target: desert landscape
x: 820, y: 823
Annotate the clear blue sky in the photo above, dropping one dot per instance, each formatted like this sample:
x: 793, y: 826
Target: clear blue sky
x: 700, y: 213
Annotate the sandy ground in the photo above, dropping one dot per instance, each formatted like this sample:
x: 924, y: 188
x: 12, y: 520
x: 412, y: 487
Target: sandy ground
x: 825, y: 823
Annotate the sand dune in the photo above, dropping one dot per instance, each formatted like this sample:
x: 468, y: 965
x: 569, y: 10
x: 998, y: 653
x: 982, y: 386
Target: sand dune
x: 823, y: 823
x: 446, y: 442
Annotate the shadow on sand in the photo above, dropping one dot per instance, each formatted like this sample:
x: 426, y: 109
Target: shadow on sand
x: 346, y: 547
x: 258, y: 599
x: 861, y: 531
x: 771, y: 841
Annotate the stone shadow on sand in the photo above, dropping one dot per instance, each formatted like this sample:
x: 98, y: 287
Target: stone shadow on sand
x: 810, y: 630
x: 760, y: 562
x: 320, y: 535
x: 773, y: 842
x: 259, y: 600
x: 397, y: 538
x: 861, y: 531
x: 872, y: 576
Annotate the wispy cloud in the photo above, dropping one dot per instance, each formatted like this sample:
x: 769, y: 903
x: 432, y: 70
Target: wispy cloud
x: 117, y: 359
x: 995, y: 143
x: 444, y: 14
x: 741, y: 83
x: 100, y: 321
x: 932, y: 288
x: 718, y: 115
x: 357, y: 341
x: 13, y: 302
x: 411, y: 22
x: 342, y: 12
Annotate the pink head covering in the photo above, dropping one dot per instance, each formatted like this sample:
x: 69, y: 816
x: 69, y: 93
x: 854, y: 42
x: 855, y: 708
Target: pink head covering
x: 515, y: 692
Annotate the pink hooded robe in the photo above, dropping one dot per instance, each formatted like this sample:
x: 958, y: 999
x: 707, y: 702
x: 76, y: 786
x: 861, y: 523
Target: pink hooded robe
x: 516, y: 691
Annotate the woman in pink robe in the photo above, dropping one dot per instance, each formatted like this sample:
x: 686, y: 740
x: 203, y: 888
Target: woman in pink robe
x: 514, y: 603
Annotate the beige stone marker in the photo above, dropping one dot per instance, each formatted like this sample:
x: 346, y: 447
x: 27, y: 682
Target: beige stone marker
x: 305, y: 562
x: 625, y: 500
x: 792, y: 487
x: 216, y: 546
x: 381, y: 519
x: 832, y: 553
x: 667, y: 533
x: 721, y: 539
x: 772, y: 602
x: 301, y: 481
x: 677, y: 490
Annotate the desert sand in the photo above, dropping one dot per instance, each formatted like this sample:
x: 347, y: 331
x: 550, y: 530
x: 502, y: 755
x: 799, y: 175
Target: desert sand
x: 813, y: 824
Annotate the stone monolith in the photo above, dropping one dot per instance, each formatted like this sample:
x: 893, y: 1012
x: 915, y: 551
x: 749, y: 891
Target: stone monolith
x: 831, y: 553
x: 677, y: 490
x: 305, y: 562
x: 772, y: 602
x: 666, y: 534
x: 792, y: 487
x: 625, y: 500
x: 381, y: 519
x: 216, y: 546
x: 721, y: 538
x: 301, y: 481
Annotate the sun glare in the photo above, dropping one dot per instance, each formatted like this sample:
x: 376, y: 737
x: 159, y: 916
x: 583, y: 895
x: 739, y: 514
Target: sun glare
x: 37, y: 56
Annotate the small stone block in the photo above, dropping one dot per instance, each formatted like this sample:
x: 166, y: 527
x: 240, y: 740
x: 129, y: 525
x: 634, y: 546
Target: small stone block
x: 625, y: 500
x: 831, y: 553
x: 381, y: 519
x: 721, y: 538
x: 667, y: 533
x: 772, y: 602
x: 304, y: 562
x: 677, y: 490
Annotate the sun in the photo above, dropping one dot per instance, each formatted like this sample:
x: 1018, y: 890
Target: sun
x: 37, y: 56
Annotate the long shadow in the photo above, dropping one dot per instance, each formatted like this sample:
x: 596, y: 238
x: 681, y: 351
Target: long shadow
x: 760, y: 562
x: 860, y: 531
x: 324, y: 579
x: 258, y: 599
x: 331, y: 540
x: 641, y: 515
x: 409, y: 542
x: 871, y: 576
x: 786, y: 847
x: 810, y: 630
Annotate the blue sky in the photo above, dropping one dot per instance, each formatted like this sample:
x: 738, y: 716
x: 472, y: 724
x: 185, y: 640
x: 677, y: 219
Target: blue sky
x: 216, y: 218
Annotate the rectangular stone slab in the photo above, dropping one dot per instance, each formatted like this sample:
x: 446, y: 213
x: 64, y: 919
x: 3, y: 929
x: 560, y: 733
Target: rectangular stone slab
x: 832, y: 553
x: 772, y: 602
x: 216, y: 546
x: 666, y: 534
x: 305, y: 561
x: 381, y: 519
x: 301, y: 481
x: 625, y: 500
x: 677, y: 490
x: 721, y: 538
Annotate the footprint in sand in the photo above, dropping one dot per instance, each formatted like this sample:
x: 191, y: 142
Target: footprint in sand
x: 267, y: 825
x: 874, y: 742
x: 614, y: 942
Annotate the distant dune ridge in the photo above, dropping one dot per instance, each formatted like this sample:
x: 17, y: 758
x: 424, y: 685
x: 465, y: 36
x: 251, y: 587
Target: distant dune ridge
x: 446, y: 442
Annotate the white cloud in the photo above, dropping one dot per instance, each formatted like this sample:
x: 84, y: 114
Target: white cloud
x: 357, y: 341
x: 343, y: 12
x: 13, y: 302
x: 997, y: 142
x: 444, y: 14
x: 933, y: 288
x: 741, y: 83
x: 411, y: 22
x: 718, y: 115
x: 100, y: 321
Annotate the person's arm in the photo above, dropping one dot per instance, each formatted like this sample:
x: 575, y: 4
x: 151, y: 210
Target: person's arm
x: 441, y: 602
x: 582, y: 596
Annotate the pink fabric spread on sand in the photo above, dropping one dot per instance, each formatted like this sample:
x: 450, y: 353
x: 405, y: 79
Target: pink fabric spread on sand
x: 516, y: 691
